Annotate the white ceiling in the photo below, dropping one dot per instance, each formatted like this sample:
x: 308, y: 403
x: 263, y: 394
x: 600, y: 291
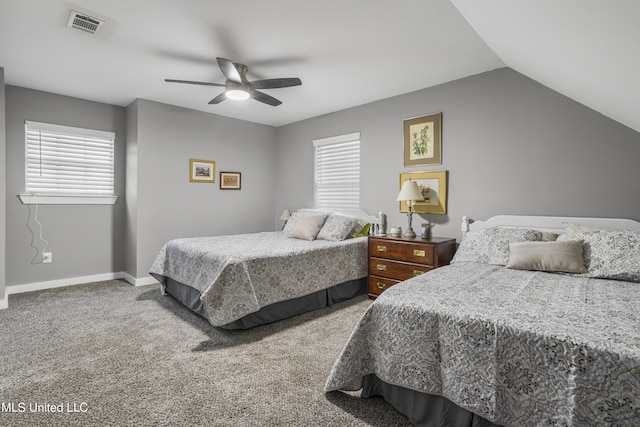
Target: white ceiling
x: 346, y: 52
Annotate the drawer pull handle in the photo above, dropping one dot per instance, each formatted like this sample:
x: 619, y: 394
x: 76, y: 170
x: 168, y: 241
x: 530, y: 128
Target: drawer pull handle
x: 417, y: 272
x: 381, y: 267
x: 419, y: 252
x: 382, y: 248
x: 380, y: 285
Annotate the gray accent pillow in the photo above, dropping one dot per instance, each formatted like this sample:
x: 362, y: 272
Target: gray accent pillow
x: 307, y: 227
x: 563, y: 256
x: 491, y: 245
x: 610, y: 254
x: 337, y: 227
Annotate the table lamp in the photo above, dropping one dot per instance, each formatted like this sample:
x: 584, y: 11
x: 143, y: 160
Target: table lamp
x: 285, y: 217
x: 410, y: 193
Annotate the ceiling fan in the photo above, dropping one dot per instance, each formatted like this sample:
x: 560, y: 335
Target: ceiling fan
x: 238, y: 87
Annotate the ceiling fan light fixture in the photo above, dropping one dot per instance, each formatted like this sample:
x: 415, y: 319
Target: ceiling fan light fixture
x: 237, y: 94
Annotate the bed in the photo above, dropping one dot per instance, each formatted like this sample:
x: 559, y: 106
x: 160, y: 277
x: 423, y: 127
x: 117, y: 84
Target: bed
x: 535, y: 322
x: 244, y: 280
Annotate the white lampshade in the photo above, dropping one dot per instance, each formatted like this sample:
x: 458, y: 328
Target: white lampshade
x: 410, y: 192
x: 285, y: 215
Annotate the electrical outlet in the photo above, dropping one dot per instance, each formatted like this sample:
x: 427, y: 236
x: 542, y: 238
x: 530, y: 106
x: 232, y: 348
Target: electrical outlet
x: 46, y: 257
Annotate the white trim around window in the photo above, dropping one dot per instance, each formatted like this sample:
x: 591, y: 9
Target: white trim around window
x: 68, y: 165
x: 337, y: 172
x: 37, y: 199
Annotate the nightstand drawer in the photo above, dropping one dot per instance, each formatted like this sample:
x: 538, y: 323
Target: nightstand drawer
x: 396, y: 269
x: 394, y: 259
x: 378, y: 284
x: 410, y: 252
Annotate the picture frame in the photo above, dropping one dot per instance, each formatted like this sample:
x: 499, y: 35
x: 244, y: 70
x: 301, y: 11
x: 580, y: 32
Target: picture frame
x: 230, y: 180
x: 202, y: 170
x: 433, y: 185
x: 423, y: 140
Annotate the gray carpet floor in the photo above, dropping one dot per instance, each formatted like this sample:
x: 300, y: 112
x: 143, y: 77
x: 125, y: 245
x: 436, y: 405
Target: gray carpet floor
x: 109, y: 353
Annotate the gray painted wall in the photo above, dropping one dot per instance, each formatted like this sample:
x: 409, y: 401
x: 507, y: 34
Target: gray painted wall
x: 84, y: 240
x: 511, y: 146
x: 162, y: 138
x: 3, y: 185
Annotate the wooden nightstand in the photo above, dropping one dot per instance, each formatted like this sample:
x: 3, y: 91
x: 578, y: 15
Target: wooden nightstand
x: 392, y: 260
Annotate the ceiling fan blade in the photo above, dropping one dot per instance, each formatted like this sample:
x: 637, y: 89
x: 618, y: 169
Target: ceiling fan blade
x: 275, y: 83
x: 229, y: 70
x: 263, y: 97
x: 193, y: 83
x: 218, y: 99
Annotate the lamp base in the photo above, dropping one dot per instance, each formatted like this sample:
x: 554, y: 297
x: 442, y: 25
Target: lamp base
x: 409, y: 234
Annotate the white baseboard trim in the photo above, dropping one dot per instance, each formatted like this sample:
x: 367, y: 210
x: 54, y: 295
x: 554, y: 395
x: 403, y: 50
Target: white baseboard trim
x: 138, y: 282
x: 39, y: 286
x: 4, y: 303
x: 50, y: 284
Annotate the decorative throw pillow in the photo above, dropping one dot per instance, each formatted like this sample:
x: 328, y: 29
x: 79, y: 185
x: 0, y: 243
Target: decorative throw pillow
x: 610, y: 254
x: 291, y: 222
x: 491, y: 245
x: 307, y: 227
x: 364, y: 232
x: 570, y: 227
x: 288, y: 226
x: 337, y: 227
x: 564, y: 256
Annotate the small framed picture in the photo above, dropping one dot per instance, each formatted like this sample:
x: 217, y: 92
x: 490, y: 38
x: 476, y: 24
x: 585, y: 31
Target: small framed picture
x: 423, y: 140
x: 433, y: 186
x: 202, y: 170
x: 230, y: 180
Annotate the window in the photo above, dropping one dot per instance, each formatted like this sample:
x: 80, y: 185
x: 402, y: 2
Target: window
x: 337, y: 172
x: 68, y: 165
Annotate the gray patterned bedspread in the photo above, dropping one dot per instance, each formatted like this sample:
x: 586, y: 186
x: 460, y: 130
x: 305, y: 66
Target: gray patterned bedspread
x: 519, y: 348
x: 239, y: 274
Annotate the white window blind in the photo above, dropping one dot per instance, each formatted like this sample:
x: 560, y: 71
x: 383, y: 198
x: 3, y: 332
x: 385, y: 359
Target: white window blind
x: 337, y: 172
x: 68, y: 161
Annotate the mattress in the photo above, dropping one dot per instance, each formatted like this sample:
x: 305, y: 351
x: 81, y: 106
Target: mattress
x: 237, y: 275
x: 515, y: 347
x: 190, y: 297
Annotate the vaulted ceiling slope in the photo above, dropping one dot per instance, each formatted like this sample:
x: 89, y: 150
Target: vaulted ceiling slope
x: 588, y: 50
x: 346, y: 52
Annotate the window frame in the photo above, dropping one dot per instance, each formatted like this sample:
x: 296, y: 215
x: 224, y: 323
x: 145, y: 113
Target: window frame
x: 62, y: 198
x: 335, y: 141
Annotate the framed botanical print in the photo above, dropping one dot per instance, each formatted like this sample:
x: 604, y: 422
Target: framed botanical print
x: 423, y: 140
x: 433, y: 186
x: 202, y: 170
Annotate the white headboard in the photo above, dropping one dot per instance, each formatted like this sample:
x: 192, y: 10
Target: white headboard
x: 553, y: 224
x: 360, y: 214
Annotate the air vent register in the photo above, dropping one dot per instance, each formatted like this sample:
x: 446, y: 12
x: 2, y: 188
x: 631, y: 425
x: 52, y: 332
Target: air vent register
x: 83, y: 22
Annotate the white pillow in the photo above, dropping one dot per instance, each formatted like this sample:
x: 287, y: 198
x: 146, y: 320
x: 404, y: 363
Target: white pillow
x: 337, y: 227
x: 307, y: 227
x: 291, y: 222
x: 570, y: 227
